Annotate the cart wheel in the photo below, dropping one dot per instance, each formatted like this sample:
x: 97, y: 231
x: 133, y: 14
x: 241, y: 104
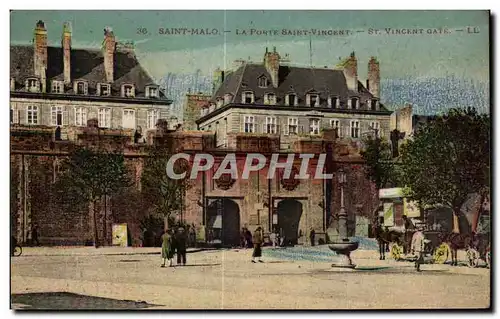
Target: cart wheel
x: 18, y: 251
x: 441, y: 253
x: 472, y: 257
x: 396, y: 251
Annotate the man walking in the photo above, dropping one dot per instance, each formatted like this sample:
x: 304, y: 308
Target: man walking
x: 34, y: 235
x: 312, y: 236
x: 258, y: 239
x: 417, y: 247
x: 180, y: 241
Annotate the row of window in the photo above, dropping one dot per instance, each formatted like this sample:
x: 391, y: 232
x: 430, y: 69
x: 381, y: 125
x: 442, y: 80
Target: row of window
x: 312, y: 100
x: 58, y: 117
x: 292, y: 127
x: 81, y: 87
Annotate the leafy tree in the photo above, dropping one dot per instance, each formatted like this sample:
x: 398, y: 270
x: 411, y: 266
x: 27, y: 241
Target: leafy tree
x: 166, y: 194
x: 448, y: 159
x: 379, y: 168
x: 91, y: 175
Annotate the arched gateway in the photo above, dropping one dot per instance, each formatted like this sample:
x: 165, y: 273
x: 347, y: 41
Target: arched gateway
x: 223, y: 217
x: 289, y: 213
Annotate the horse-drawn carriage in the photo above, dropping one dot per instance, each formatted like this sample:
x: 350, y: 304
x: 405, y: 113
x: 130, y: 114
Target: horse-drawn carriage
x: 441, y: 246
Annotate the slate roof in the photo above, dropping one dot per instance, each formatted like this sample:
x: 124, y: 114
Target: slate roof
x: 86, y: 64
x: 298, y: 80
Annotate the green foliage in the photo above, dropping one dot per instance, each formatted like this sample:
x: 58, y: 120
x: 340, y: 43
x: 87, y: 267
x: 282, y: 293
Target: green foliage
x: 90, y: 174
x: 380, y: 167
x: 164, y: 193
x: 448, y: 159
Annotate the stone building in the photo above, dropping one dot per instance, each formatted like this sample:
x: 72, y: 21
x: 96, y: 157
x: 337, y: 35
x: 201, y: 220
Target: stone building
x: 268, y: 109
x: 219, y: 206
x: 64, y: 86
x: 287, y: 101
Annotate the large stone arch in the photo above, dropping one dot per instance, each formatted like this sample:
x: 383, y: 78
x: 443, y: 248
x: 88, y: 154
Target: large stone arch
x: 289, y: 215
x: 223, y: 217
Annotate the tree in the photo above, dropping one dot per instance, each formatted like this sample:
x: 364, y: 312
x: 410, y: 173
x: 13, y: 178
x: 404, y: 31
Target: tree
x: 91, y: 175
x: 166, y: 194
x: 448, y: 159
x: 379, y: 168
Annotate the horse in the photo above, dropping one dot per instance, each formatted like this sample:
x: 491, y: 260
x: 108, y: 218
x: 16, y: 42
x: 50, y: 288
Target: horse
x: 384, y: 237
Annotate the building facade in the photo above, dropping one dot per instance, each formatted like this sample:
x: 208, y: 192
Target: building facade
x: 278, y: 99
x: 64, y: 86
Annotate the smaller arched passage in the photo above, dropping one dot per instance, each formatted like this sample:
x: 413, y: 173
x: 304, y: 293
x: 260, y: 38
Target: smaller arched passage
x: 289, y: 214
x: 223, y: 221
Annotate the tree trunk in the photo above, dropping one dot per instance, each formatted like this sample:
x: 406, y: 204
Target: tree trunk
x: 105, y: 236
x: 96, y: 234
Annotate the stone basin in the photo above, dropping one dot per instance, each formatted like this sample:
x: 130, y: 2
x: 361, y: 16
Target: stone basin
x: 344, y: 247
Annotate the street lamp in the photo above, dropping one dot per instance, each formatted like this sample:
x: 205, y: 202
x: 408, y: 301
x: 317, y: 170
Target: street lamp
x: 343, y: 247
x: 343, y: 213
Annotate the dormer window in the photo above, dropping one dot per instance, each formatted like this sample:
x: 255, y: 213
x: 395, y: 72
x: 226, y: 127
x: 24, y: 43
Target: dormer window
x: 103, y: 89
x: 263, y: 82
x: 291, y: 99
x: 128, y: 90
x: 220, y: 102
x: 373, y: 104
x: 204, y: 111
x: 334, y: 102
x: 57, y: 87
x: 247, y: 97
x: 81, y: 87
x: 270, y: 98
x: 152, y: 91
x: 211, y: 107
x: 353, y: 103
x: 312, y: 100
x: 228, y: 98
x: 33, y: 85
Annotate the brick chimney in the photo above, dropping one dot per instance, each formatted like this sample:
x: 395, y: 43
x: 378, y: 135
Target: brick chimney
x: 218, y: 79
x: 40, y: 51
x: 350, y: 68
x: 373, y: 82
x: 108, y: 48
x: 272, y: 64
x: 66, y: 45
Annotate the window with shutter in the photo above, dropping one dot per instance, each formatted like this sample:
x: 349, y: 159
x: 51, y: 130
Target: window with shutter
x: 56, y: 116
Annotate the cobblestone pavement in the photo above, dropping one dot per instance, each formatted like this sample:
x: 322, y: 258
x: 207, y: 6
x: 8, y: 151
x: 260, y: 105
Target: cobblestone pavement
x: 226, y: 279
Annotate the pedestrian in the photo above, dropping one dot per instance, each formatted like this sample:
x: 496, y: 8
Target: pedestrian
x: 34, y: 235
x: 192, y: 236
x: 272, y: 237
x: 243, y: 242
x: 180, y: 240
x: 282, y: 238
x: 417, y: 247
x: 167, y: 247
x: 379, y: 235
x: 312, y: 236
x: 210, y: 235
x: 258, y: 239
x: 409, y: 229
x: 248, y: 238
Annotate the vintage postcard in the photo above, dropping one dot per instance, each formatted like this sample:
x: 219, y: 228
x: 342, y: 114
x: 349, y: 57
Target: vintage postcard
x: 250, y: 160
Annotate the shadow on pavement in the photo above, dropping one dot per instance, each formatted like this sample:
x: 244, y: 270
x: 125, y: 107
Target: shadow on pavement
x: 197, y: 265
x: 71, y: 301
